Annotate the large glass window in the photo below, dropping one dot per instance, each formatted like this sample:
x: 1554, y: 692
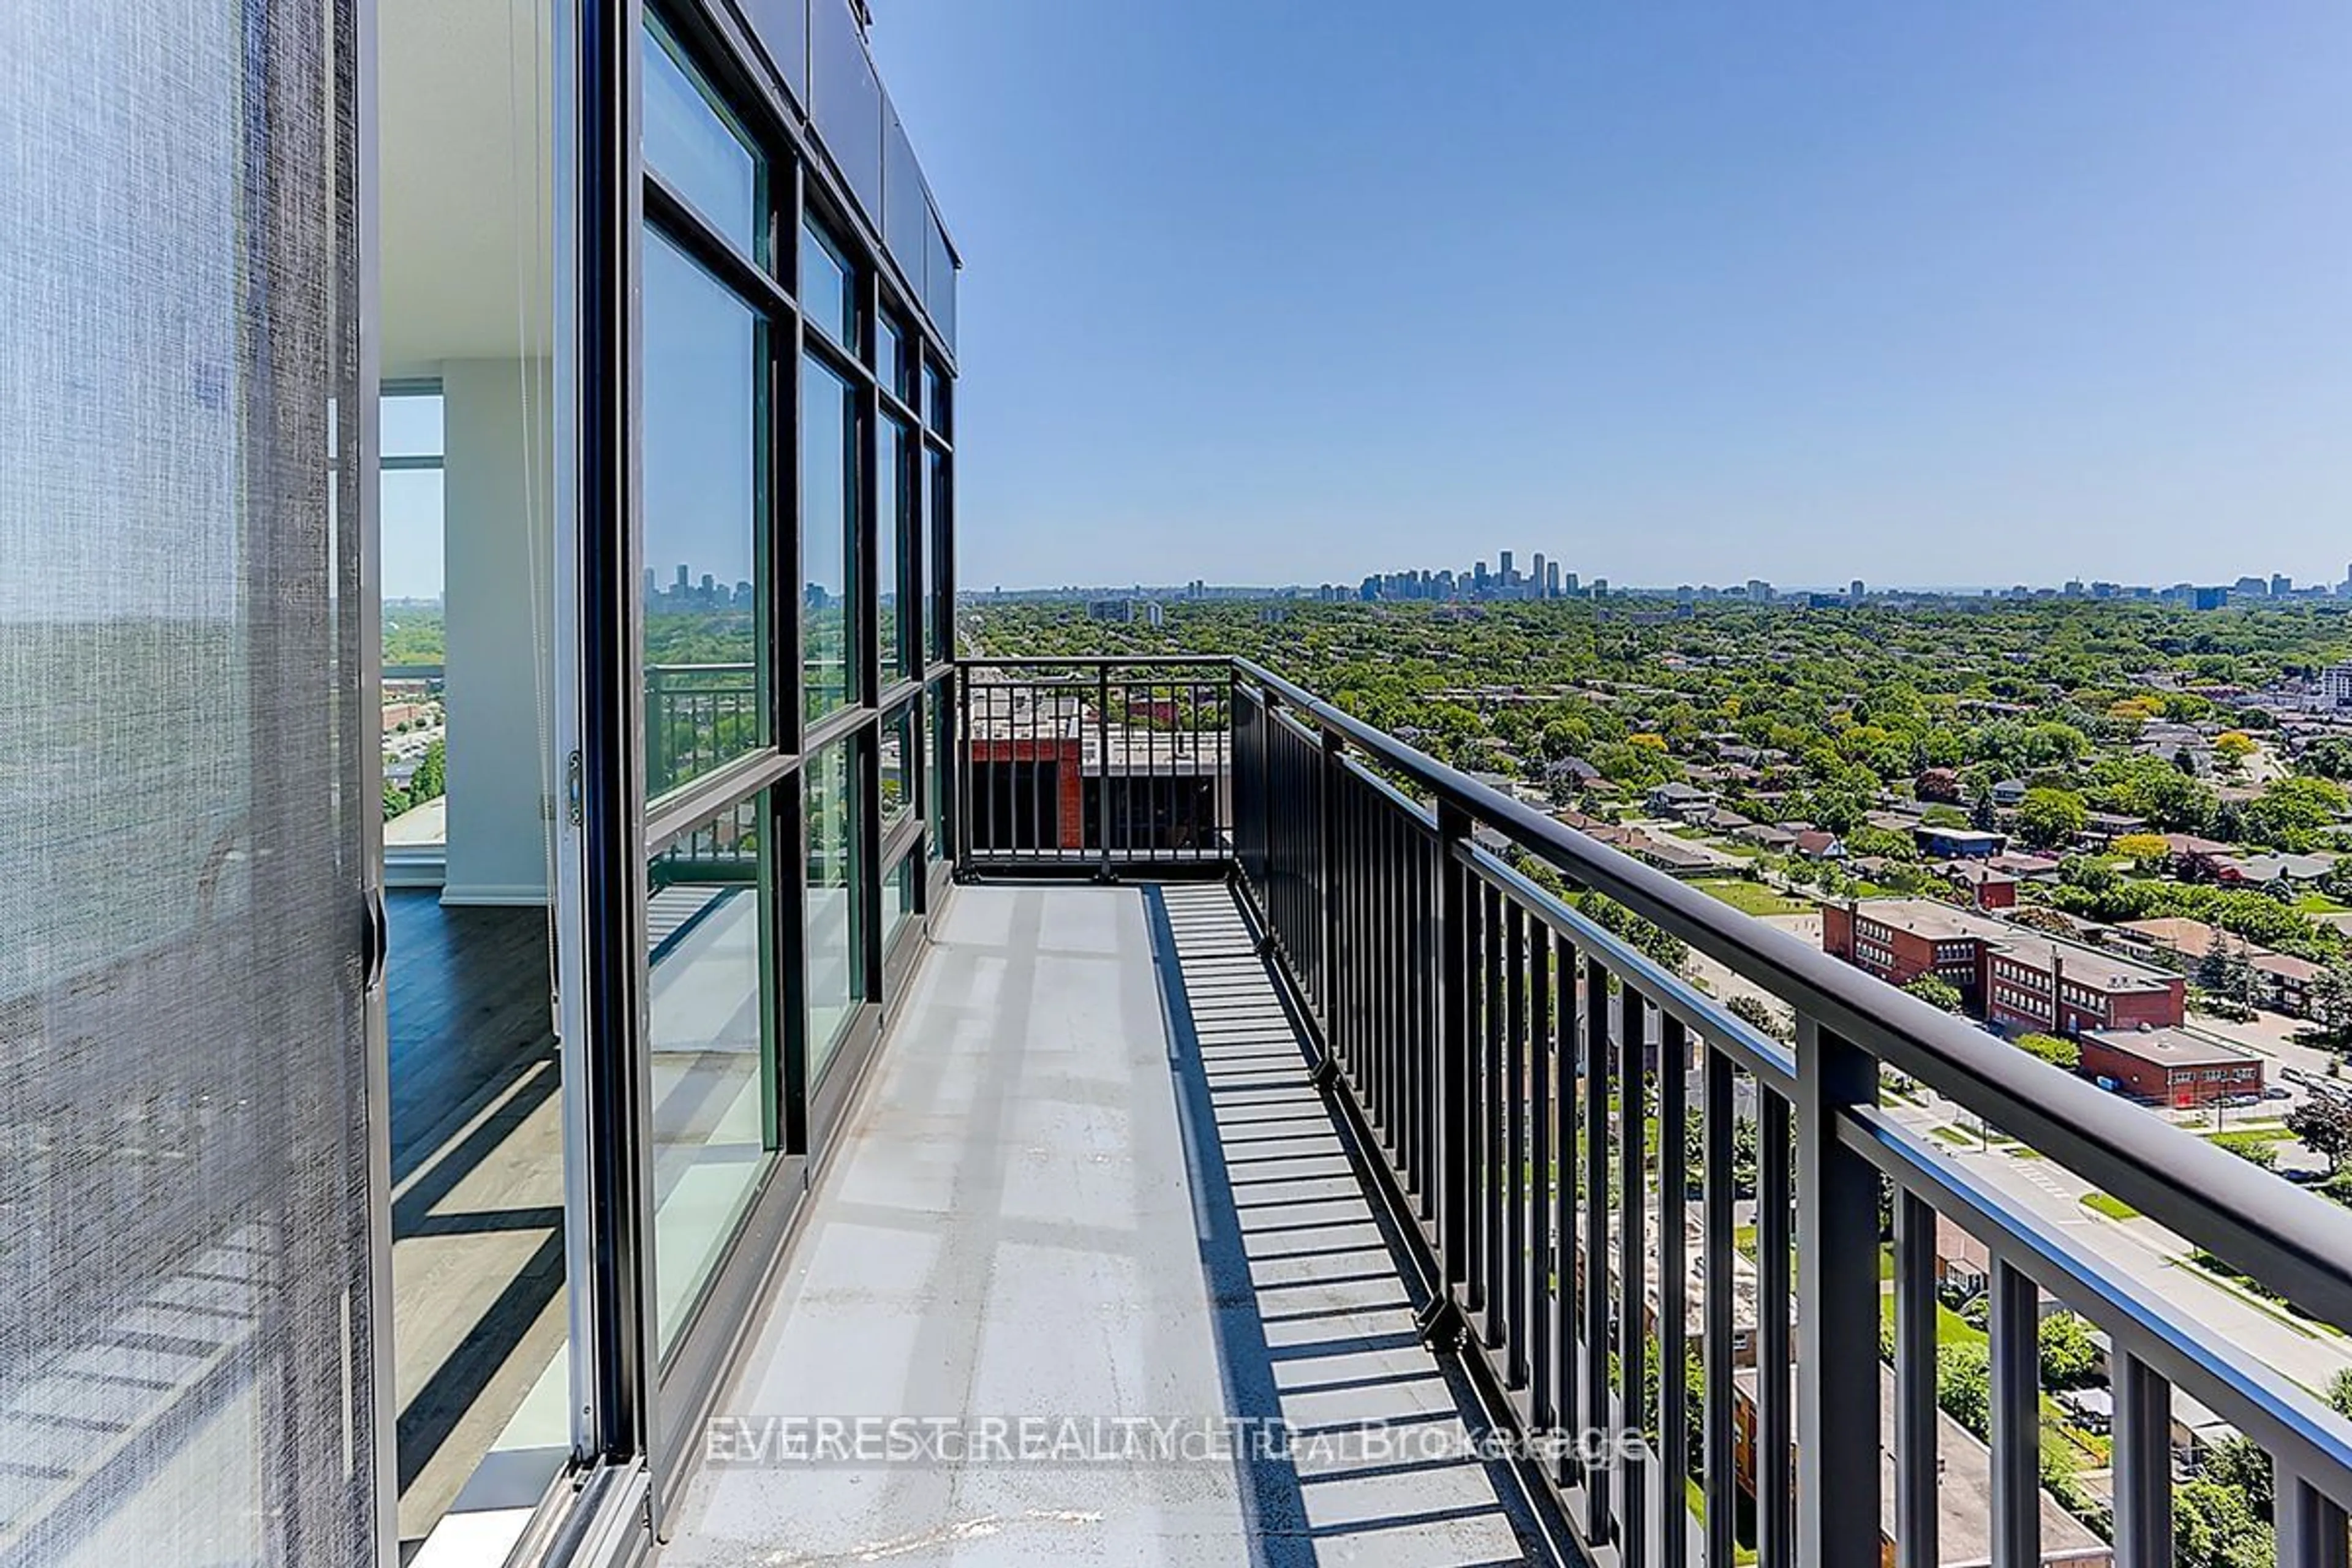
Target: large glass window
x: 898, y: 897
x: 828, y: 537
x: 705, y: 422
x: 891, y: 493
x: 835, y: 977
x: 935, y: 396
x: 938, y: 563
x: 890, y: 356
x: 897, y: 767
x: 828, y: 287
x: 937, y: 805
x: 412, y: 492
x: 709, y: 915
x: 697, y: 147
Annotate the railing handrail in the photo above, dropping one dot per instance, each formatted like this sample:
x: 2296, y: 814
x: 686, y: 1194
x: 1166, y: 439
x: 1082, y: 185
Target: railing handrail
x: 729, y: 667
x: 1103, y: 661
x: 2296, y: 1242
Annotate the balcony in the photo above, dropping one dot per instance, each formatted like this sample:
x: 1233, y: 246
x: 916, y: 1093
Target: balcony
x: 1319, y: 1098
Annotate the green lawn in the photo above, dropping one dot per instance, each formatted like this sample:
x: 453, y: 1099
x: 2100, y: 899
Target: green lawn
x: 1749, y: 897
x: 2319, y: 904
x: 2113, y: 1207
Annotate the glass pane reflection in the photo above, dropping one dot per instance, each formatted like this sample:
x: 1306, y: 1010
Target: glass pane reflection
x: 828, y: 489
x: 703, y: 475
x: 710, y: 919
x: 836, y: 966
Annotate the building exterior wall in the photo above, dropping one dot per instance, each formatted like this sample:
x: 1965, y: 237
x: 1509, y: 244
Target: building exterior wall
x: 2160, y: 1084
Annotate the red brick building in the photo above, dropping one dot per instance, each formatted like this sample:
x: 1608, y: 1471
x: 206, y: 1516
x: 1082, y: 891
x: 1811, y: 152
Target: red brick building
x: 2171, y: 1066
x: 2012, y: 975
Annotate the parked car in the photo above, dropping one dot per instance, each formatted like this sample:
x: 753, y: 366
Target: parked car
x: 2275, y: 1092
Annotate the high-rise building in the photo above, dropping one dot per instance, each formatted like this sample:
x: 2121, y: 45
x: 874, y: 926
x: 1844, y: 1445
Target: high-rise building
x: 1536, y: 574
x: 698, y: 804
x: 1551, y: 580
x: 1855, y: 590
x: 1508, y: 575
x: 402, y: 1153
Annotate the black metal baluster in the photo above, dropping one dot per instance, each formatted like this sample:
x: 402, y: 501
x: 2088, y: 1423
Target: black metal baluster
x: 1496, y: 1192
x: 2143, y: 1462
x: 1674, y: 1292
x: 1917, y: 1454
x: 1633, y: 1268
x: 1598, y: 1416
x: 1568, y: 1265
x: 1837, y: 1308
x: 1453, y: 1060
x: 2016, y: 1398
x: 1473, y: 1131
x: 1775, y: 1422
x: 1718, y: 1353
x: 1514, y: 1150
x: 1542, y: 1322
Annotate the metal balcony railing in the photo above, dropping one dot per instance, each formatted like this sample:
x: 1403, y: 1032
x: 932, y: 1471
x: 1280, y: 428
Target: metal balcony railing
x: 1102, y: 764
x: 1555, y: 1119
x: 697, y: 715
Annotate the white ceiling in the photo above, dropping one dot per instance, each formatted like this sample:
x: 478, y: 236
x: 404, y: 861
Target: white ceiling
x: 463, y: 134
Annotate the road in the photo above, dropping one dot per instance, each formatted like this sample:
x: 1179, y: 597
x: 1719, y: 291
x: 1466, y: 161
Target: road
x: 2147, y: 1254
x: 2140, y: 1249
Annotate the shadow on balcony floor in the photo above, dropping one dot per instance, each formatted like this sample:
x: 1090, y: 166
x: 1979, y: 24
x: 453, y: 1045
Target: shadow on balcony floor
x: 1092, y: 1184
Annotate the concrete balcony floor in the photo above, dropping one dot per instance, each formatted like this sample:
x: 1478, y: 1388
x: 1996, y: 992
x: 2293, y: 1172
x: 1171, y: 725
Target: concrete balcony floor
x: 1090, y: 1180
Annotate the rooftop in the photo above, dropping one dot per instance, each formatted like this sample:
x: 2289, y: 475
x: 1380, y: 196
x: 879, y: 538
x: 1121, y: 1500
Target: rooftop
x: 1947, y: 922
x: 2173, y: 1047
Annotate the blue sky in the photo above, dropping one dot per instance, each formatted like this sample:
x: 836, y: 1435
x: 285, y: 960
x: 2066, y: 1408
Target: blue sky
x: 1679, y: 291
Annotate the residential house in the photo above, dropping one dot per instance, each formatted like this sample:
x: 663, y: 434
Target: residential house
x: 2008, y: 794
x: 1677, y: 800
x: 1819, y: 844
x: 1669, y: 855
x: 2183, y: 939
x: 2288, y: 982
x: 1963, y: 1264
x: 1768, y: 835
x: 1959, y: 843
x: 2101, y: 829
x: 2195, y: 857
x: 1980, y: 883
x: 2262, y: 871
x: 1573, y: 773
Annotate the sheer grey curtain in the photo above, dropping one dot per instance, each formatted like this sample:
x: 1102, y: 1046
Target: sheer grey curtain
x: 185, y: 1258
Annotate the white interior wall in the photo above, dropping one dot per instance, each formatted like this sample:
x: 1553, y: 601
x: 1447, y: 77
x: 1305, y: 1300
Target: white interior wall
x: 495, y: 532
